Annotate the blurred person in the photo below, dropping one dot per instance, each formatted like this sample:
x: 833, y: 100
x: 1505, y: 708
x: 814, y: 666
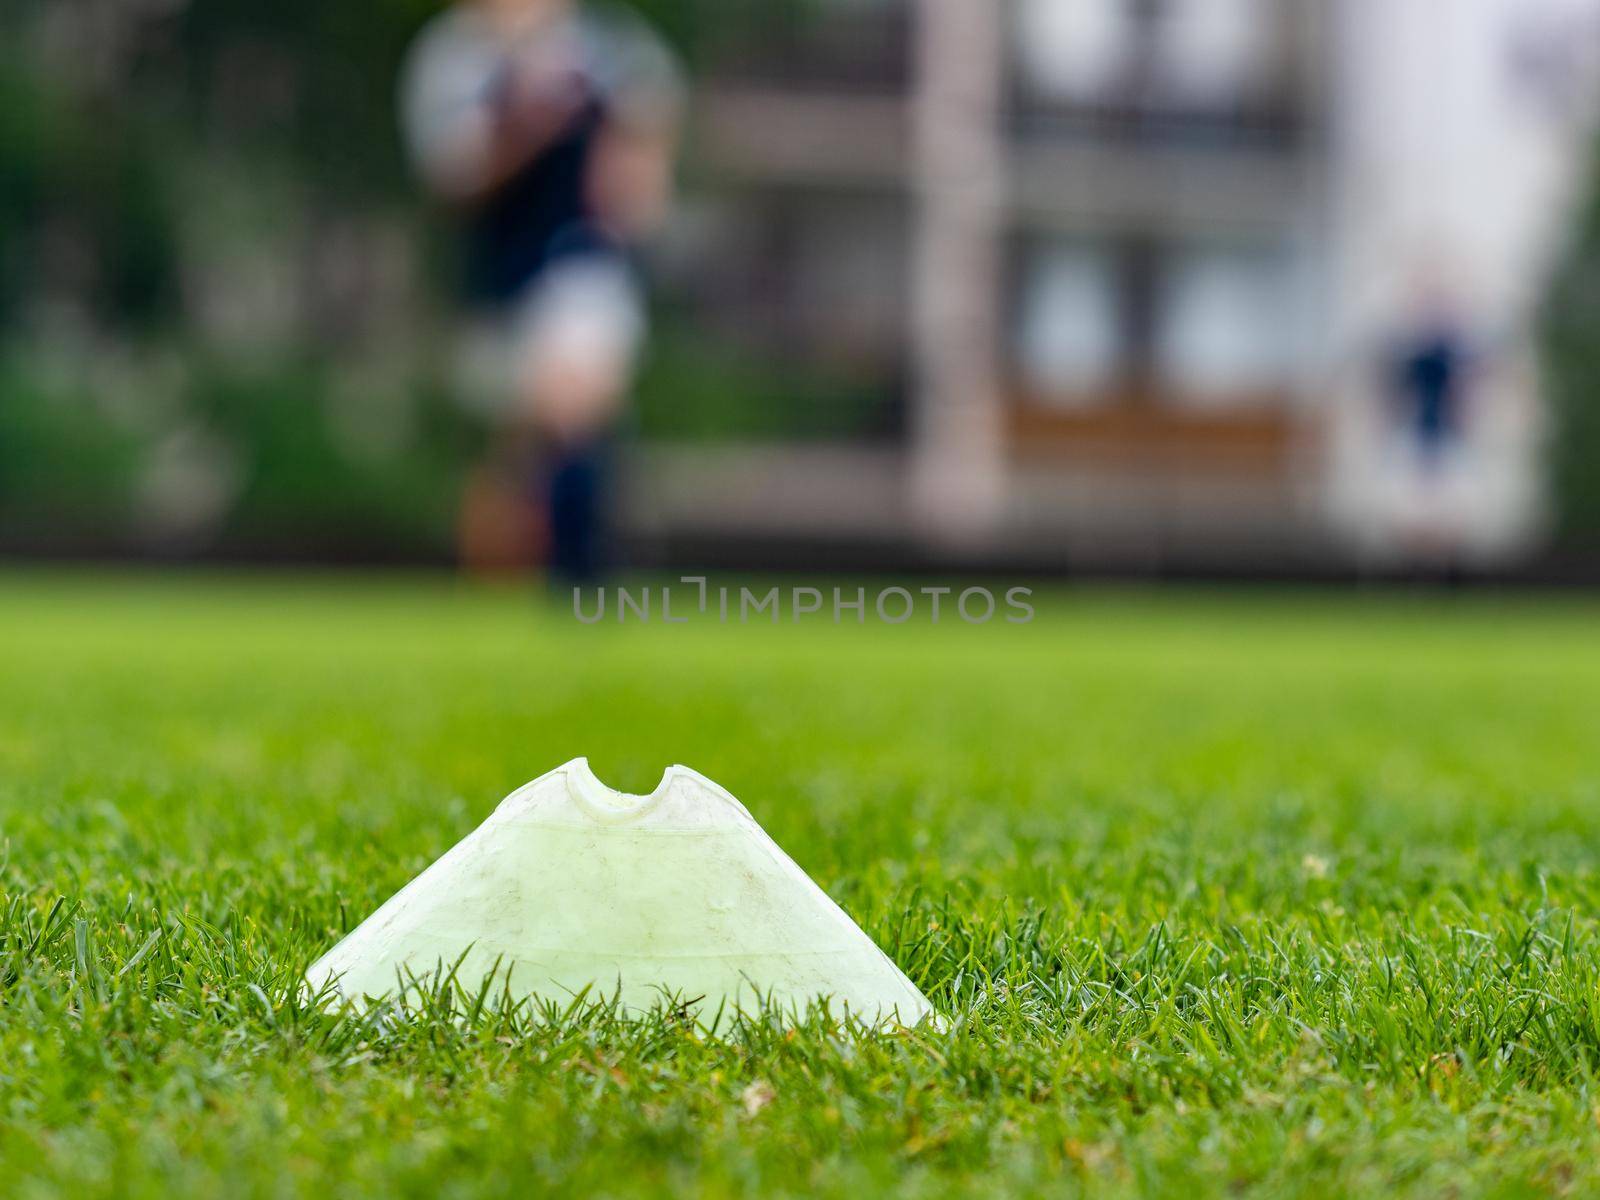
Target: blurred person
x: 1429, y: 392
x: 548, y: 127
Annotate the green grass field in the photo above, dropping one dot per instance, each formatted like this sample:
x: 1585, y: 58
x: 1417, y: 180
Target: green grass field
x: 1224, y: 893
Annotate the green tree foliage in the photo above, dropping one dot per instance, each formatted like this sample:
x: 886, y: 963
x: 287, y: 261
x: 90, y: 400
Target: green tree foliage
x: 89, y: 173
x: 1571, y: 360
x: 157, y: 161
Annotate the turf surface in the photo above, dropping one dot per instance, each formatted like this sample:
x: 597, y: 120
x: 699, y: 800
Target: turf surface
x: 1224, y: 893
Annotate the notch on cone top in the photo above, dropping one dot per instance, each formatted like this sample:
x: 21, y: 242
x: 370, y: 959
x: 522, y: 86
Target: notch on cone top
x: 570, y: 884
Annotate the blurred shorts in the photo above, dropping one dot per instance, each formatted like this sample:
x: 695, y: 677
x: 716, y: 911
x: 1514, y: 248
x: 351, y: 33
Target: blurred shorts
x: 585, y: 307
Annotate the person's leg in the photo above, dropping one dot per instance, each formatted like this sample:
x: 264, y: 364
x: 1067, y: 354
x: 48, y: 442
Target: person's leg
x: 500, y: 526
x: 583, y: 328
x: 577, y: 496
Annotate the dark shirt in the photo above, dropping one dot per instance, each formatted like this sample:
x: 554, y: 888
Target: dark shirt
x: 1428, y: 389
x: 539, y: 213
x: 458, y: 83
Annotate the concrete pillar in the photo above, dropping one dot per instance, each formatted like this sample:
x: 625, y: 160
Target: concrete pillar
x: 958, y: 436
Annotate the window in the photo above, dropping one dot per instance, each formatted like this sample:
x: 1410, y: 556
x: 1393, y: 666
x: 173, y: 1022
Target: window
x: 1210, y: 53
x: 1072, y: 50
x: 1225, y: 330
x: 1185, y: 54
x: 1069, y: 342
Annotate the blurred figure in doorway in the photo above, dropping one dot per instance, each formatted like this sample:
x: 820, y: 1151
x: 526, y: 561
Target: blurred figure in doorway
x: 549, y: 129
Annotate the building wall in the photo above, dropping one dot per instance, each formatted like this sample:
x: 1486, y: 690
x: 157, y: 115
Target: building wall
x: 1461, y: 130
x: 1154, y: 271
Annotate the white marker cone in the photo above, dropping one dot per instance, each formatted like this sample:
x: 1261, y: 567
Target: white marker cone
x: 571, y: 885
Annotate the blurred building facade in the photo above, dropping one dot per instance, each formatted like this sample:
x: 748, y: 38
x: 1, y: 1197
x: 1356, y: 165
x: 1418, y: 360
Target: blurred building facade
x: 1094, y: 283
x: 1128, y: 272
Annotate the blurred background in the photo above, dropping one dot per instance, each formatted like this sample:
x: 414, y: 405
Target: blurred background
x: 1293, y: 287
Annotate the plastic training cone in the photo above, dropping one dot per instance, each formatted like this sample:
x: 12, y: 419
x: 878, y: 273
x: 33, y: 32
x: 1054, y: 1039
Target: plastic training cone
x: 571, y: 885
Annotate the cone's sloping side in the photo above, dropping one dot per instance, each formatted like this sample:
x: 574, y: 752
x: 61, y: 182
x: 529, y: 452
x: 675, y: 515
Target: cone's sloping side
x: 571, y: 885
